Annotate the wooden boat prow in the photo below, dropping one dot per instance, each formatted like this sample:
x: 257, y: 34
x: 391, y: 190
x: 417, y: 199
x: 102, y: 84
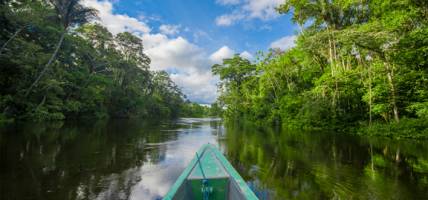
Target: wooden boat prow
x: 210, y: 176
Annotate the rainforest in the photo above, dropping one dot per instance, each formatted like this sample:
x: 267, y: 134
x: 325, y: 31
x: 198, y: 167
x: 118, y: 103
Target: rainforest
x: 358, y: 66
x: 306, y: 99
x: 55, y: 65
x: 355, y: 64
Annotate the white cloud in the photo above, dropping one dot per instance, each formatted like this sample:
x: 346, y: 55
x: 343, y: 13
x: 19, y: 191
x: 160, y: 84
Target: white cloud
x: 247, y: 55
x: 229, y: 19
x: 262, y: 9
x: 169, y: 53
x: 169, y: 29
x: 159, y: 177
x: 222, y: 53
x: 192, y: 62
x: 266, y: 28
x: 228, y: 2
x: 189, y: 60
x: 284, y: 43
x: 116, y: 23
x: 249, y: 9
x: 198, y: 84
x: 199, y: 35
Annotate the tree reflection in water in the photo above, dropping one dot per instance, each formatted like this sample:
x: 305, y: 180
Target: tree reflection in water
x: 130, y: 159
x: 107, y: 160
x: 297, y: 165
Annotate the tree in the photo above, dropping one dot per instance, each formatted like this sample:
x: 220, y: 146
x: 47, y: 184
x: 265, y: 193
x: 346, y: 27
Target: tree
x: 69, y: 13
x: 97, y: 75
x: 354, y: 61
x: 21, y: 17
x: 234, y: 72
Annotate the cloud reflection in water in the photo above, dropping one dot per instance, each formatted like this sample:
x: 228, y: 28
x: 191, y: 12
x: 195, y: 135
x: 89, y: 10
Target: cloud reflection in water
x: 157, y: 178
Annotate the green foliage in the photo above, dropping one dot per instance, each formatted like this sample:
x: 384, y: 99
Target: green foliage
x: 215, y: 110
x: 379, y: 161
x: 420, y: 165
x: 420, y: 109
x: 314, y: 163
x: 87, y: 73
x: 355, y: 64
x: 190, y: 109
x: 407, y: 128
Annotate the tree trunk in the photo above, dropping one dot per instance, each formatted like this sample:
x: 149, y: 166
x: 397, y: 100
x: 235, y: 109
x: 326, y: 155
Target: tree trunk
x: 370, y: 95
x: 332, y: 60
x: 273, y: 87
x: 11, y: 38
x: 371, y: 156
x: 361, y: 62
x: 58, y: 46
x: 41, y: 103
x: 390, y: 75
x: 330, y: 52
x: 397, y: 155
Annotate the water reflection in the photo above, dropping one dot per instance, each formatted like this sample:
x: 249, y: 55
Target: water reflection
x: 126, y: 159
x: 296, y: 165
x: 107, y: 160
x: 159, y: 176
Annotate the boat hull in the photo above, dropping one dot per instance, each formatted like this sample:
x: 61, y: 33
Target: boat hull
x: 210, y: 176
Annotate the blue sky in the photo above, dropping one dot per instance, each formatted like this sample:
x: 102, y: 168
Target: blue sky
x: 187, y: 37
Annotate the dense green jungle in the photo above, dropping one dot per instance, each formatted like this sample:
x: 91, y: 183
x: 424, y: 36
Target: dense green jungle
x: 358, y: 67
x: 56, y: 65
x: 340, y: 114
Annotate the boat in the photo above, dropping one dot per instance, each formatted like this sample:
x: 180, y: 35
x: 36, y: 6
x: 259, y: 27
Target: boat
x: 209, y: 176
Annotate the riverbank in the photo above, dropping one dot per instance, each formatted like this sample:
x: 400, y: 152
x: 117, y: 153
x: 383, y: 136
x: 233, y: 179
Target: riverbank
x: 415, y: 129
x: 342, y: 72
x: 406, y: 128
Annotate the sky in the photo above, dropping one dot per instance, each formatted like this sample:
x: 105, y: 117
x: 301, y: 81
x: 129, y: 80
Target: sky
x: 186, y: 37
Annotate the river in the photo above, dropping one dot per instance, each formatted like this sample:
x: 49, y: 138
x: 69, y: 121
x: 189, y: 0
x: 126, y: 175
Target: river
x: 132, y: 159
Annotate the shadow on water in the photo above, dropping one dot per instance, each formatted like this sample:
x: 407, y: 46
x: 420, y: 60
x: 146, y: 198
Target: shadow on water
x: 131, y: 159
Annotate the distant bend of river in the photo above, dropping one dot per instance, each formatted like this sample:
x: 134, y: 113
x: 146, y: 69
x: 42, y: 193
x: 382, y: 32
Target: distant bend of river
x: 138, y: 160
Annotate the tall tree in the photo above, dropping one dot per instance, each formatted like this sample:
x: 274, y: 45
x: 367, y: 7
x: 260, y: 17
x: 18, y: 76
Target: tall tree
x: 21, y: 17
x: 69, y: 13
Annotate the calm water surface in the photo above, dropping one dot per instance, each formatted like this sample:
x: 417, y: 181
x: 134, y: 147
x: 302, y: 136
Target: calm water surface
x: 131, y: 159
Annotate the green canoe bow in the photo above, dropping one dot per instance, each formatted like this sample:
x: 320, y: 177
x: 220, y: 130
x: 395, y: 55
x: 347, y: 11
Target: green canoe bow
x: 210, y: 176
